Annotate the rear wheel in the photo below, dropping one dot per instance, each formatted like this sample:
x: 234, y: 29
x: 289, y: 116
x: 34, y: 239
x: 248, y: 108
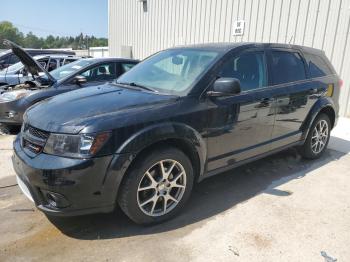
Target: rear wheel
x: 317, y: 139
x: 157, y: 186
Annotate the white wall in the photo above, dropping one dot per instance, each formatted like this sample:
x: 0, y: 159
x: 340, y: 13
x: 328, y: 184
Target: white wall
x: 322, y: 24
x: 99, y: 51
x: 93, y: 51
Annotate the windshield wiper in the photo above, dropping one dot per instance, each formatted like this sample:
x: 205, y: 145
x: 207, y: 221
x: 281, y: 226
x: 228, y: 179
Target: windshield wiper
x: 133, y: 84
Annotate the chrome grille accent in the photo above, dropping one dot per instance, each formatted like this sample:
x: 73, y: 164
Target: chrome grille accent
x: 38, y: 133
x: 33, y: 139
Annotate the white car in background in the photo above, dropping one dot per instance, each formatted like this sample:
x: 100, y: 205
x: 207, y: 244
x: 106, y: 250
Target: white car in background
x: 18, y: 74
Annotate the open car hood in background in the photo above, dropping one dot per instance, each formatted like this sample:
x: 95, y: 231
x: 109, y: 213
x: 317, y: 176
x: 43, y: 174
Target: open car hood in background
x: 31, y: 65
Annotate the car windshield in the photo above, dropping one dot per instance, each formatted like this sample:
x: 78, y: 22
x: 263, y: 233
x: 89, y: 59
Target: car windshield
x: 171, y: 71
x: 70, y: 68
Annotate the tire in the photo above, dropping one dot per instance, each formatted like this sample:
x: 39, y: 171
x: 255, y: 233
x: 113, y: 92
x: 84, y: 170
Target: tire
x: 138, y: 187
x: 311, y: 151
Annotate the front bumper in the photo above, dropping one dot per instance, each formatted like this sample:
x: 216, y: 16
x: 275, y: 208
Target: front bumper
x: 64, y: 186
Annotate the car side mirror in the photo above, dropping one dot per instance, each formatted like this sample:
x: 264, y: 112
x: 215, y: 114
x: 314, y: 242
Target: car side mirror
x: 225, y: 86
x: 79, y: 80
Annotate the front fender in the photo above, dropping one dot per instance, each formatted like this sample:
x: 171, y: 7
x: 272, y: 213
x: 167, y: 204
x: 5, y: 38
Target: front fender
x: 315, y: 110
x: 160, y: 132
x: 146, y: 137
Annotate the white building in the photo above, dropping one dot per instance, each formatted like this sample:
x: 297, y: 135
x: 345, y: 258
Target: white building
x: 138, y: 28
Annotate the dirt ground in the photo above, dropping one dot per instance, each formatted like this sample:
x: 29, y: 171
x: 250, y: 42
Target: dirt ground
x: 281, y: 208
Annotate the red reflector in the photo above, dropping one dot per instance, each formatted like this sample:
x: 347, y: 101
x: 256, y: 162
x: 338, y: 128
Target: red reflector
x: 341, y: 82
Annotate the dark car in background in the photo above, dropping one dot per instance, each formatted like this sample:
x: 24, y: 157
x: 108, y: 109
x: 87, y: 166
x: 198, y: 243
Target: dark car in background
x: 15, y: 99
x: 17, y: 73
x: 179, y: 116
x: 8, y: 58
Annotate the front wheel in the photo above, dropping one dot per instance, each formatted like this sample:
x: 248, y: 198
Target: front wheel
x: 157, y: 186
x: 317, y: 139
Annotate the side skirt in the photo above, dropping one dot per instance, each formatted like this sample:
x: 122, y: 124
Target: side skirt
x: 248, y: 160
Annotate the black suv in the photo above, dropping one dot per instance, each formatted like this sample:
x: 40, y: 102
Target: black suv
x: 180, y: 116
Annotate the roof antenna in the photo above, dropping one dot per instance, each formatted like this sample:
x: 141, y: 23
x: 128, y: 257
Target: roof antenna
x: 290, y: 40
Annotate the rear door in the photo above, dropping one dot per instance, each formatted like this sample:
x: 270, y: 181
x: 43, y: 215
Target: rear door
x: 294, y: 94
x: 240, y: 126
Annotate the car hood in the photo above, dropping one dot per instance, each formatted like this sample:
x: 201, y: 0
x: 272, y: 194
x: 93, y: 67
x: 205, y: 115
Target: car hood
x: 32, y: 66
x: 88, y: 107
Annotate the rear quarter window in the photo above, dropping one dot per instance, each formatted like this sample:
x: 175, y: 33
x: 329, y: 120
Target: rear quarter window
x: 127, y: 66
x: 317, y: 66
x: 286, y: 66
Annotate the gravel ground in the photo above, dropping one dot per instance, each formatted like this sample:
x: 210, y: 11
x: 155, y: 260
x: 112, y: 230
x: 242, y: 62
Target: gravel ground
x: 280, y: 208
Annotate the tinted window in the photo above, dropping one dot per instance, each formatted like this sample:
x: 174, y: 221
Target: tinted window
x: 286, y: 67
x: 317, y: 66
x: 52, y: 65
x: 43, y: 62
x: 102, y: 72
x: 248, y: 68
x: 126, y: 67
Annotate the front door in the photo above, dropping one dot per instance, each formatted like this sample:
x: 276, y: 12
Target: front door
x: 240, y: 126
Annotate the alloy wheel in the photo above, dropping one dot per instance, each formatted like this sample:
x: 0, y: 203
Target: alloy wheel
x: 319, y: 136
x: 161, y: 188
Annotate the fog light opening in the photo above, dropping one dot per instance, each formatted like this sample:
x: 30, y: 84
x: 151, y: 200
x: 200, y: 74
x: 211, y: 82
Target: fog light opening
x: 51, y: 199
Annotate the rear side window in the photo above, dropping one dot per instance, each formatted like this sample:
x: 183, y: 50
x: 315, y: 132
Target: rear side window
x: 286, y: 67
x: 126, y: 67
x: 52, y: 65
x: 317, y: 66
x: 248, y: 68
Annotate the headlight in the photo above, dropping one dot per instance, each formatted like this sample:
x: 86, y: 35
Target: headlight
x: 12, y: 95
x: 77, y: 146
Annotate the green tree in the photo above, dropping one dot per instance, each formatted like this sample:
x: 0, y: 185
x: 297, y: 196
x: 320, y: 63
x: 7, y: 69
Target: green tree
x: 33, y: 41
x: 8, y: 31
x: 81, y: 41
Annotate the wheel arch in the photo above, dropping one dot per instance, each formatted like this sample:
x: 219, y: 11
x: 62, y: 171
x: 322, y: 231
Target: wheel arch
x: 180, y: 136
x: 325, y: 106
x: 177, y: 135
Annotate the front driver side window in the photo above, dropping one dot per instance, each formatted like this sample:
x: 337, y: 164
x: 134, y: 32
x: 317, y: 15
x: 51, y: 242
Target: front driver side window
x: 248, y: 68
x: 102, y: 72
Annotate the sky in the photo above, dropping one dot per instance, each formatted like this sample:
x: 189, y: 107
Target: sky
x: 57, y: 17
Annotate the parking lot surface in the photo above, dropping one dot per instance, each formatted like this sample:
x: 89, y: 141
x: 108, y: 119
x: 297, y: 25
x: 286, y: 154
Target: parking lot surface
x: 280, y: 208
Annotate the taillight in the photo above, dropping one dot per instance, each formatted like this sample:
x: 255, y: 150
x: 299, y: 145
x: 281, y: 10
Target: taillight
x: 341, y: 82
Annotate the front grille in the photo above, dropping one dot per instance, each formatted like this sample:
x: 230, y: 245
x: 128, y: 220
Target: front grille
x: 38, y: 133
x: 33, y: 139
